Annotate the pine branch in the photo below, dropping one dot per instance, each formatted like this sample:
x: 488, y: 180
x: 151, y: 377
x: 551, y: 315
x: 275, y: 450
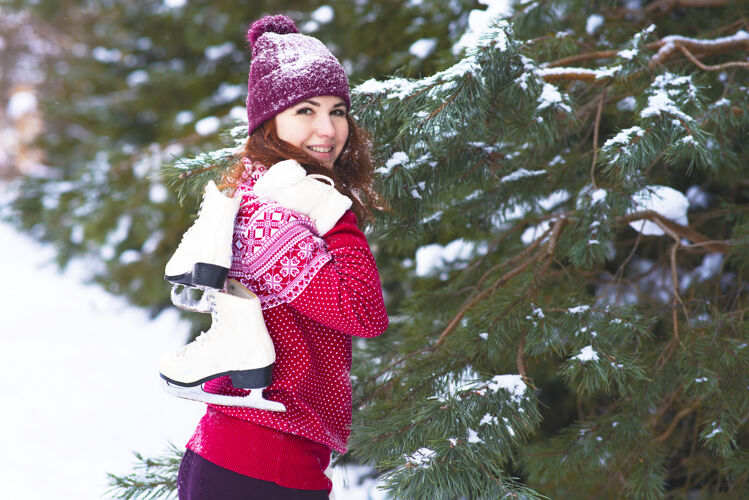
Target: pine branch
x: 668, y: 46
x: 664, y: 48
x: 482, y: 295
x: 586, y: 56
x: 661, y: 8
x: 665, y: 6
x: 450, y: 99
x: 152, y: 479
x: 679, y: 230
x: 597, y: 126
x: 719, y: 67
x: 556, y: 230
x: 571, y: 74
x: 519, y: 359
x: 675, y: 288
x: 459, y: 316
x: 674, y: 280
x: 681, y: 414
x: 519, y: 257
x: 198, y: 171
x: 530, y: 257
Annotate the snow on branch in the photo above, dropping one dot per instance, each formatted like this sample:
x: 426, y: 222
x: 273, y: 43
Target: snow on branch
x: 586, y: 354
x: 665, y: 48
x: 664, y: 200
x: 668, y: 45
x: 682, y: 231
x: 421, y: 458
x: 580, y: 74
x: 497, y: 37
x: 624, y: 137
x: 550, y: 95
x: 664, y: 88
x: 512, y: 384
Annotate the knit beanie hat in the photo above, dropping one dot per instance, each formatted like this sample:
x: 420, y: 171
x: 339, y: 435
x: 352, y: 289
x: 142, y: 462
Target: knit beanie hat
x: 286, y: 68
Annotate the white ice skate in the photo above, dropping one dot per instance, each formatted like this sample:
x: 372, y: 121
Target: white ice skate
x: 203, y: 257
x: 237, y: 344
x: 313, y: 195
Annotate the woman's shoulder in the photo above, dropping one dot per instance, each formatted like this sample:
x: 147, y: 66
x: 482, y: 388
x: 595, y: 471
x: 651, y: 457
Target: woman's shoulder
x: 267, y: 231
x: 266, y: 217
x: 270, y: 213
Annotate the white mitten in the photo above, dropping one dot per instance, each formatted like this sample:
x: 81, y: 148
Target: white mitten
x: 287, y: 183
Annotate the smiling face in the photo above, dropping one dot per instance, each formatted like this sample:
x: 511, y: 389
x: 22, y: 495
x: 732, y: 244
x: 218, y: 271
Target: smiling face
x: 317, y: 126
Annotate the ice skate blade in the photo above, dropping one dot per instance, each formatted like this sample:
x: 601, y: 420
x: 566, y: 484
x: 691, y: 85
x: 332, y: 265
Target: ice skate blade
x: 253, y: 400
x: 183, y: 300
x: 202, y: 275
x: 252, y: 378
x: 180, y: 279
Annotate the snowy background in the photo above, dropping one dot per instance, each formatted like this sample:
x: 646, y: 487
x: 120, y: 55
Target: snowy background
x: 79, y: 371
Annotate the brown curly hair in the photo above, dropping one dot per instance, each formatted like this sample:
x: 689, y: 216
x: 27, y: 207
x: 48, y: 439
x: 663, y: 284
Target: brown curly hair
x: 352, y: 171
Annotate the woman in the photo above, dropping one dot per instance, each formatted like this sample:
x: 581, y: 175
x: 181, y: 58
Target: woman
x: 298, y: 248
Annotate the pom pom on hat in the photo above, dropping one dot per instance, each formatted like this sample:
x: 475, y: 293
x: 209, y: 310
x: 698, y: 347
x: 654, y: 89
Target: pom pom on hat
x: 286, y: 68
x: 279, y: 24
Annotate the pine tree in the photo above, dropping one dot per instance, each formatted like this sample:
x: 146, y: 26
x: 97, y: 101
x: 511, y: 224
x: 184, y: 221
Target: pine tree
x: 570, y: 199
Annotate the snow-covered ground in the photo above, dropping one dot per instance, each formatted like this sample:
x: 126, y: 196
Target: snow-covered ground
x: 79, y: 373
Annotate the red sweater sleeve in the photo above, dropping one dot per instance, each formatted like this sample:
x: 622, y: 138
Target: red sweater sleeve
x: 346, y: 294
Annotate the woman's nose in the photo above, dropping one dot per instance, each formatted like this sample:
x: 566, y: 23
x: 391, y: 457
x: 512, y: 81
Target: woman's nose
x: 324, y: 126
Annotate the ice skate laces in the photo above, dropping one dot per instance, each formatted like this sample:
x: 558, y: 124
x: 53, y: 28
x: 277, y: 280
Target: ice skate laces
x: 185, y: 235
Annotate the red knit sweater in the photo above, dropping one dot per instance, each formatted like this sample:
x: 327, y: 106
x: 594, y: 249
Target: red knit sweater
x: 316, y: 292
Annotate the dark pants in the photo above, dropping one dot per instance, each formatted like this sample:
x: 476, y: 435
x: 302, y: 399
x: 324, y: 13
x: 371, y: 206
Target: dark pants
x: 200, y: 479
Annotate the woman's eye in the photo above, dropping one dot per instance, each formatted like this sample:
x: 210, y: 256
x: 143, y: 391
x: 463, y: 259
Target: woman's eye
x: 303, y: 111
x: 338, y: 112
